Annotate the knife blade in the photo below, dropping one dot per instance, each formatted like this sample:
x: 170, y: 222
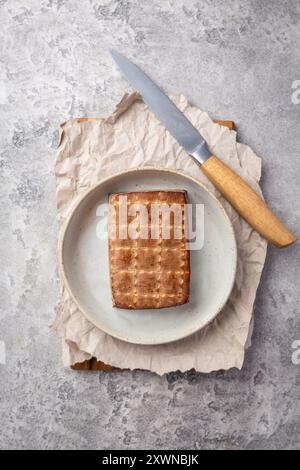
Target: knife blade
x: 241, y: 196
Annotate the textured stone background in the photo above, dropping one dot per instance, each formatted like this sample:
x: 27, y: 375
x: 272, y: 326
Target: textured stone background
x: 236, y: 59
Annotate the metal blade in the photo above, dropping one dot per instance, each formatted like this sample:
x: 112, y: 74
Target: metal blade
x: 164, y: 109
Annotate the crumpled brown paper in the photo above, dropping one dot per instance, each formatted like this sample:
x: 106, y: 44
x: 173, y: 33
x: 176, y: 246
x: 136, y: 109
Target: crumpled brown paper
x: 92, y: 149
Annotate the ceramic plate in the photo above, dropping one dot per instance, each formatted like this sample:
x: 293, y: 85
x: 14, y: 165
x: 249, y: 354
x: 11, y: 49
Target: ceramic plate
x: 85, y: 269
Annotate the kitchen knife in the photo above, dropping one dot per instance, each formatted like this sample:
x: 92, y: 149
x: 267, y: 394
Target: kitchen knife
x: 241, y: 196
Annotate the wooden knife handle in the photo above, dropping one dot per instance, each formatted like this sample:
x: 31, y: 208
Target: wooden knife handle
x: 247, y: 203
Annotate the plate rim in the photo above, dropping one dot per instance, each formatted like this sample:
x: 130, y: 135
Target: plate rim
x: 62, y: 237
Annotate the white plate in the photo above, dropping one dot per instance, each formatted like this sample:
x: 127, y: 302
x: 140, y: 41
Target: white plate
x: 85, y: 269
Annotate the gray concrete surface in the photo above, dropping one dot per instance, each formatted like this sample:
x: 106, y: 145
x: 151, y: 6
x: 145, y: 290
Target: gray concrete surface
x: 236, y: 59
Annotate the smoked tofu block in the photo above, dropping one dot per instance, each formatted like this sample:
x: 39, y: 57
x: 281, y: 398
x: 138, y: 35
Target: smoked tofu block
x: 148, y: 257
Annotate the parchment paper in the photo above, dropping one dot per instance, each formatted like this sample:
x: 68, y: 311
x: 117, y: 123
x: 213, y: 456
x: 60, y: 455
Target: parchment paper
x: 91, y: 149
